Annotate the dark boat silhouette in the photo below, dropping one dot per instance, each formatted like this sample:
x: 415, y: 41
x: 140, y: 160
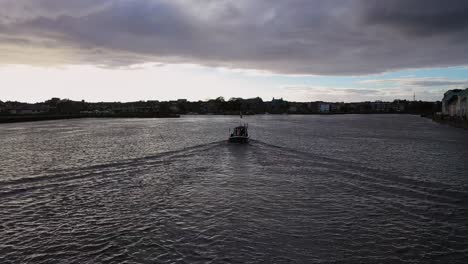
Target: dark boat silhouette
x: 240, y: 134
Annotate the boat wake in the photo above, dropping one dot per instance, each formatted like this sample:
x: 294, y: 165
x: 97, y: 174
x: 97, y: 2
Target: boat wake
x: 220, y: 202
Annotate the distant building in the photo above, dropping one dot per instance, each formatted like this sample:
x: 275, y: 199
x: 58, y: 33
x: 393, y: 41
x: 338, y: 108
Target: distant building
x: 399, y: 105
x: 324, y: 107
x: 379, y: 106
x: 174, y: 108
x: 277, y: 106
x: 312, y: 107
x: 455, y: 103
x: 336, y: 107
x: 26, y: 109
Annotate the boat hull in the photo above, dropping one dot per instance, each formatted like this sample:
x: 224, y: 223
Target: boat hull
x: 239, y: 140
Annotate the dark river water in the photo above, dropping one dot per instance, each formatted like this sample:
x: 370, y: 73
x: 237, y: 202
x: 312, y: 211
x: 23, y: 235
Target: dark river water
x: 307, y: 189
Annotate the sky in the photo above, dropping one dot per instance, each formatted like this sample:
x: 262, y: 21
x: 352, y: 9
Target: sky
x: 299, y: 50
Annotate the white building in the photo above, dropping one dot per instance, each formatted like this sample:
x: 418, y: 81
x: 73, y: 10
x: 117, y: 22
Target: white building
x: 455, y: 103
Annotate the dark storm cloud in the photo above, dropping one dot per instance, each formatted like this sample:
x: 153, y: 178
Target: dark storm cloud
x: 429, y: 17
x: 291, y: 36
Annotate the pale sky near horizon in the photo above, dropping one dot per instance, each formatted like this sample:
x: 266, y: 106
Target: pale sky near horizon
x: 122, y: 50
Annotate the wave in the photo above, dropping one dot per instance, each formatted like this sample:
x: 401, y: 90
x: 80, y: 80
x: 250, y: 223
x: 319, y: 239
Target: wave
x: 57, y: 177
x: 348, y: 173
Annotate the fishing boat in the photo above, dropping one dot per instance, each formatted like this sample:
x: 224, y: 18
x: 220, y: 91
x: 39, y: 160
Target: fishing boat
x: 239, y: 134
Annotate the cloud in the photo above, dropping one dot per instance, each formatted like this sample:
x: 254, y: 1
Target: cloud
x: 332, y: 94
x: 423, y: 18
x: 334, y: 91
x: 325, y: 37
x: 426, y: 88
x: 351, y: 94
x: 420, y: 82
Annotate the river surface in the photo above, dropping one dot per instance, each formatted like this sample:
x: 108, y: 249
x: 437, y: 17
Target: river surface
x: 307, y: 189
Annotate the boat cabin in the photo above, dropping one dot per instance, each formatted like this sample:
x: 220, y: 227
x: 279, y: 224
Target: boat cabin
x: 239, y: 134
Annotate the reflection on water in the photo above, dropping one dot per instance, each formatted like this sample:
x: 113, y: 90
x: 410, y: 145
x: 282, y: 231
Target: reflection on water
x: 307, y: 189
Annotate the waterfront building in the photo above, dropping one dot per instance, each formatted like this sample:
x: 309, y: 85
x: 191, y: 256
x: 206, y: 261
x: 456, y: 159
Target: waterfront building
x: 455, y: 103
x: 324, y: 107
x: 25, y: 109
x: 292, y: 109
x: 277, y: 106
x: 335, y: 107
x: 312, y: 107
x: 380, y: 107
x: 399, y: 105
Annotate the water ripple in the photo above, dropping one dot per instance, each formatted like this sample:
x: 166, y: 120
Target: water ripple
x: 221, y: 203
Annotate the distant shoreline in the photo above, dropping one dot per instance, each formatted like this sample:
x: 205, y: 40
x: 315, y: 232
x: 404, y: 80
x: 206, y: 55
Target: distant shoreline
x: 35, y: 117
x: 454, y: 122
x: 5, y: 119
